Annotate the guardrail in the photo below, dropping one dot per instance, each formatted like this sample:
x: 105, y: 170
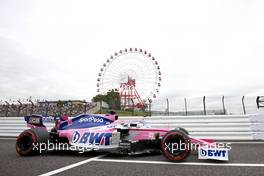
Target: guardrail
x: 218, y: 127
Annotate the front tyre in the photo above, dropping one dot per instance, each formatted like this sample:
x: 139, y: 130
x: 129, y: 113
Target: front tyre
x: 175, y: 145
x: 29, y: 141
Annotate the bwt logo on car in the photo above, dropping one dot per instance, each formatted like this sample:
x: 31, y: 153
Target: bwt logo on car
x: 212, y: 152
x: 92, y: 138
x: 91, y: 119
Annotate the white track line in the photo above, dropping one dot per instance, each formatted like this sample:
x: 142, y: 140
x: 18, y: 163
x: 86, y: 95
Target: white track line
x: 71, y: 166
x: 183, y: 163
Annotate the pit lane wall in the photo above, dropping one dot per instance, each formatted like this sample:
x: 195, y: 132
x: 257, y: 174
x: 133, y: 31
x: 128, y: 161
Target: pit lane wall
x: 218, y: 127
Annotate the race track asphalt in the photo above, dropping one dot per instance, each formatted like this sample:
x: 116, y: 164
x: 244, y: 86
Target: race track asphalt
x: 245, y: 159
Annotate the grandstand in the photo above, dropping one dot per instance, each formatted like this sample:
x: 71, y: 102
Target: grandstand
x: 17, y: 108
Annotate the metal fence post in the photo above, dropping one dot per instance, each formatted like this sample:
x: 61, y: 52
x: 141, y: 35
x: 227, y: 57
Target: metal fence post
x: 185, y: 105
x: 168, y: 107
x: 257, y: 101
x: 243, y: 103
x: 260, y: 101
x: 7, y: 109
x: 223, y: 102
x: 204, y: 105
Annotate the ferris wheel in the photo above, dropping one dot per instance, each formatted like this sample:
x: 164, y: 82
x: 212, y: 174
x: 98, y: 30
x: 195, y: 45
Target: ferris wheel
x: 134, y: 72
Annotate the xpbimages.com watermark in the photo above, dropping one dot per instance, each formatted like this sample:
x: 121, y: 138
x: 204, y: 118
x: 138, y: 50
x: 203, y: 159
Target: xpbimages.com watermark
x: 172, y: 147
x: 183, y: 146
x: 49, y: 146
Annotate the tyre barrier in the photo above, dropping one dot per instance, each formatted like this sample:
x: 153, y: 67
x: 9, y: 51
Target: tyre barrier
x: 218, y: 127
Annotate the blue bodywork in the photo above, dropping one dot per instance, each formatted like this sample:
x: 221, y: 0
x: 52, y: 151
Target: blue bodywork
x: 81, y: 121
x: 38, y: 120
x: 85, y: 121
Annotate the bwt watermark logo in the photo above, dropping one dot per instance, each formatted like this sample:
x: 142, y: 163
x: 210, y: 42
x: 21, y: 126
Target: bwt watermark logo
x: 212, y: 152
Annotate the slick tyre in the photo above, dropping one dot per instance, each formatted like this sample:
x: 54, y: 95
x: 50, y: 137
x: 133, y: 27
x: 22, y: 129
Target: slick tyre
x: 29, y: 141
x: 175, y: 145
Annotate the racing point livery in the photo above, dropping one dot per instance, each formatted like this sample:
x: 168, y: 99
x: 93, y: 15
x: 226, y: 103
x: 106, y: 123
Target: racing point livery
x: 106, y: 133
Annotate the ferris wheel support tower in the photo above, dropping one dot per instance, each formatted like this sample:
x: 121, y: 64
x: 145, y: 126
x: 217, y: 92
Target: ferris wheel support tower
x: 129, y: 96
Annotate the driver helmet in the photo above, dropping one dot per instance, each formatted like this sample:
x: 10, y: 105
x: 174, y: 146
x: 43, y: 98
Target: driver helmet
x: 111, y: 115
x: 64, y: 117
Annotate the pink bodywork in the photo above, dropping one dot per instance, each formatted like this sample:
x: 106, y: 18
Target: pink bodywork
x: 139, y: 133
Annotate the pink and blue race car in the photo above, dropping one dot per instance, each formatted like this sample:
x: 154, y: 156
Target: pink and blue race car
x: 106, y: 133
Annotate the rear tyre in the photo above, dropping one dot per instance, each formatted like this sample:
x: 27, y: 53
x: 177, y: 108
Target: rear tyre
x: 175, y: 145
x: 29, y: 141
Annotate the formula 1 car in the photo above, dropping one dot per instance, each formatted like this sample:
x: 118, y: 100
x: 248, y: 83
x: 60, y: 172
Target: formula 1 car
x: 106, y: 133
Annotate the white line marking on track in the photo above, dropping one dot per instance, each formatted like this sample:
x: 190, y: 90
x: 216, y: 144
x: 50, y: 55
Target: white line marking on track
x: 183, y: 163
x: 71, y: 166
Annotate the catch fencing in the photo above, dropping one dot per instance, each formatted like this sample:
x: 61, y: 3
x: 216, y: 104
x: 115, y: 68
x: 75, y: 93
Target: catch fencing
x: 207, y: 105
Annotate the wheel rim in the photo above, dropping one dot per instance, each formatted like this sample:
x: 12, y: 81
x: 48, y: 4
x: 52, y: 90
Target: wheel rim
x: 178, y: 146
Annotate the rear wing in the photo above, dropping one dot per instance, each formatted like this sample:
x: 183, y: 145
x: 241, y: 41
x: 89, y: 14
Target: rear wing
x: 35, y: 121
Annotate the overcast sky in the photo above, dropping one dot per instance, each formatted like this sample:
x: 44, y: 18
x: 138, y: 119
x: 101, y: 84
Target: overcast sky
x: 54, y: 49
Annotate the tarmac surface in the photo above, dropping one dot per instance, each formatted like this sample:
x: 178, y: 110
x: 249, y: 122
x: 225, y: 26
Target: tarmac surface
x: 246, y: 158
